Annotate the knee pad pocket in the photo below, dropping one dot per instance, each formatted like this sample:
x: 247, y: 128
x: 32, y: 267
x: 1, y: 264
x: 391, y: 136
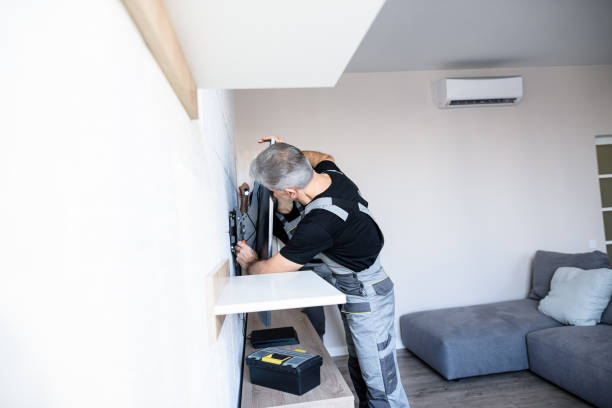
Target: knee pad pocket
x: 389, y: 372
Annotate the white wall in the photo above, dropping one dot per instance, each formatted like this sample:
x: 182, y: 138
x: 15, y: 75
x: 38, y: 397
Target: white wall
x: 464, y: 196
x: 113, y: 209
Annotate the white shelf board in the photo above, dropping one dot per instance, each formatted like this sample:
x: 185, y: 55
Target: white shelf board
x: 275, y: 291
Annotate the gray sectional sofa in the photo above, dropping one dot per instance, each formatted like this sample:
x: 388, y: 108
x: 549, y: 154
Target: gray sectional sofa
x: 513, y: 335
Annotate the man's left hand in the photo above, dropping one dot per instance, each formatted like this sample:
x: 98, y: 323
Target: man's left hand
x: 245, y: 255
x: 268, y: 138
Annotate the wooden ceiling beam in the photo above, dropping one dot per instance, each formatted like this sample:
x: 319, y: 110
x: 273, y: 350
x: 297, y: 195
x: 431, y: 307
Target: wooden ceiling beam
x: 152, y: 20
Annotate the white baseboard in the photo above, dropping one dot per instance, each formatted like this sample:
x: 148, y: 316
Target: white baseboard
x: 337, y: 351
x: 342, y: 350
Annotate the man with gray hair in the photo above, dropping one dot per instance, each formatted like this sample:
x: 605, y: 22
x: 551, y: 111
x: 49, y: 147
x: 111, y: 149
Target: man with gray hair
x: 337, y: 227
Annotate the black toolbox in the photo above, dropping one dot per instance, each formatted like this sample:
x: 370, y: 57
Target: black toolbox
x: 293, y: 371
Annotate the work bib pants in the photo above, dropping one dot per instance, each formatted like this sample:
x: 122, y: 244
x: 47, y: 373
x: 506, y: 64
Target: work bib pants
x: 368, y: 317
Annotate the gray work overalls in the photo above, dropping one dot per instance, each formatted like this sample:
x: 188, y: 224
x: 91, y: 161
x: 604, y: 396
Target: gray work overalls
x: 368, y: 315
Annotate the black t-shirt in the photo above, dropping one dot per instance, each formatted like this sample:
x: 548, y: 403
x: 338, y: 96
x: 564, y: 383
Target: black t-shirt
x: 354, y: 243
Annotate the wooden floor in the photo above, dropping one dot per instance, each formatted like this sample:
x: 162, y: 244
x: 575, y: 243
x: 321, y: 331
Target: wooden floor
x: 426, y: 388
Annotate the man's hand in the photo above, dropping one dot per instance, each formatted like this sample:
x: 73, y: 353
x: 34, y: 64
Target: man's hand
x: 313, y: 157
x: 268, y: 138
x: 245, y: 255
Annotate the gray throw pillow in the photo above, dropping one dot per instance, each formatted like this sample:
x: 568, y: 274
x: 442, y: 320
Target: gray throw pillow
x: 545, y: 263
x: 578, y: 297
x: 606, y: 317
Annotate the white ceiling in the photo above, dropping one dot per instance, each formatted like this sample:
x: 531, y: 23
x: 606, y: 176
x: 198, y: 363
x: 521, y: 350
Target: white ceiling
x: 456, y: 34
x: 237, y: 44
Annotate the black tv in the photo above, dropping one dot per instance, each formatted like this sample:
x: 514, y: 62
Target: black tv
x: 254, y: 228
x: 262, y: 228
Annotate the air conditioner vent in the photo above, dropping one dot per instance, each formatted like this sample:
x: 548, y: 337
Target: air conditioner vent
x: 483, y: 101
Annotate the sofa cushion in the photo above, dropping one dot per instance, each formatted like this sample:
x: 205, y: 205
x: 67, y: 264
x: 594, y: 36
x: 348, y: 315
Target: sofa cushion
x: 578, y: 359
x: 577, y: 296
x: 545, y: 264
x: 474, y: 340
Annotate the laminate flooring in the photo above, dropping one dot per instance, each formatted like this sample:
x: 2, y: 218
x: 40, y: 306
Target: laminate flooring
x: 427, y: 389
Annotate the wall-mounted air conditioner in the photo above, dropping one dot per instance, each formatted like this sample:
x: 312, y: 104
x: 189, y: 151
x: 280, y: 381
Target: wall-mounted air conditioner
x: 471, y: 92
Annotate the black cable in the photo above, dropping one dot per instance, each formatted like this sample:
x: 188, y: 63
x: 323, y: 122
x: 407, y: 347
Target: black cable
x: 254, y: 227
x: 250, y: 219
x: 244, y: 328
x: 244, y: 336
x: 247, y: 239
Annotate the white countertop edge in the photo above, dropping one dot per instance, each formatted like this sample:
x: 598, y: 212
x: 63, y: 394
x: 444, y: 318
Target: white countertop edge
x: 322, y: 403
x: 280, y: 304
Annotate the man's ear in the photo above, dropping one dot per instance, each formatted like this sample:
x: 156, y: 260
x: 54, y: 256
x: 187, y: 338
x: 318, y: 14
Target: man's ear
x: 292, y: 193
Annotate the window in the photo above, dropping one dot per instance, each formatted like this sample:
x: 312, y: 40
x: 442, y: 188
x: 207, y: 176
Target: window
x: 604, y: 166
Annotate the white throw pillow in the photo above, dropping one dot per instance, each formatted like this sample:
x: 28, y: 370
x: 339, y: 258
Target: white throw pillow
x: 577, y: 296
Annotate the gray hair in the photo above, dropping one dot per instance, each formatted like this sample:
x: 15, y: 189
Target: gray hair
x: 282, y: 166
